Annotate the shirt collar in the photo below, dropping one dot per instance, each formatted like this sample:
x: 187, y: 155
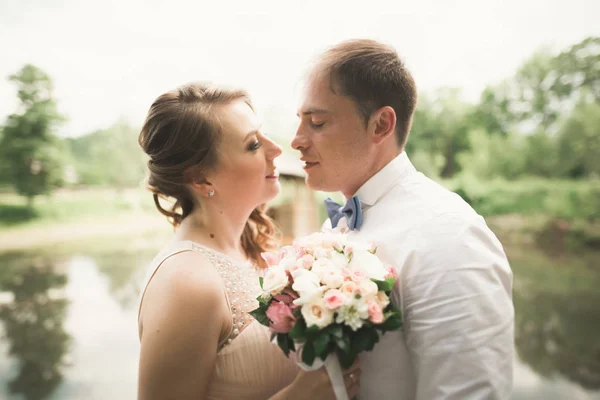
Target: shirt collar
x: 380, y: 183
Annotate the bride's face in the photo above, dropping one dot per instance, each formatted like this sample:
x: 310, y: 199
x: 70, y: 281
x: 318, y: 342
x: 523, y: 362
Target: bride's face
x: 245, y: 174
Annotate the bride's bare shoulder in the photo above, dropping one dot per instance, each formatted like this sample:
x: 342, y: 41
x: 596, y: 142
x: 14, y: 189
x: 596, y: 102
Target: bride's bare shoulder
x: 186, y: 287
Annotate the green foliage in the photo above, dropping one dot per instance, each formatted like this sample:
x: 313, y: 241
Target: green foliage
x: 562, y: 199
x: 109, y: 157
x: 33, y: 156
x: 542, y: 122
x: 440, y: 130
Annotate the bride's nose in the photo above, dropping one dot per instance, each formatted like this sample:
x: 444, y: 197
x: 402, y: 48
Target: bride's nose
x: 273, y: 151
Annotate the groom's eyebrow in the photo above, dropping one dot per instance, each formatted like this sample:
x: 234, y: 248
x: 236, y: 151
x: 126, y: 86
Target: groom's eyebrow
x: 313, y: 110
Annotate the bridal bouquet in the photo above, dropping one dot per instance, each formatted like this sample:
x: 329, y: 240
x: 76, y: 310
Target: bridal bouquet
x: 327, y: 299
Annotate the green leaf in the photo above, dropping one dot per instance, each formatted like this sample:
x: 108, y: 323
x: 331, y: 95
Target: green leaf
x: 393, y: 320
x: 284, y: 343
x: 346, y: 359
x: 336, y: 331
x: 343, y: 343
x: 321, y: 343
x: 385, y: 285
x: 308, y: 353
x: 261, y: 300
x: 298, y: 332
x: 261, y: 280
x: 260, y: 314
x: 364, y: 339
x: 312, y: 331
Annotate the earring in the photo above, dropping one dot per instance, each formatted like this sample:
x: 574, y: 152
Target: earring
x: 211, y: 193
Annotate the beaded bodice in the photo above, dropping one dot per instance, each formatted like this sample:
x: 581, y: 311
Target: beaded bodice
x: 241, y: 288
x: 248, y: 365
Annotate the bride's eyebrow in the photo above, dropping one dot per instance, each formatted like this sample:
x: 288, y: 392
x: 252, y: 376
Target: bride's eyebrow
x: 251, y: 133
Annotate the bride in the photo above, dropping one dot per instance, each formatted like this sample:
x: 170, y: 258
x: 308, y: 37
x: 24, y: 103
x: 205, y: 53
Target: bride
x: 207, y: 155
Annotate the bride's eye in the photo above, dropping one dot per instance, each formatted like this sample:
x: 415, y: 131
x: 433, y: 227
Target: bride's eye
x: 255, y: 145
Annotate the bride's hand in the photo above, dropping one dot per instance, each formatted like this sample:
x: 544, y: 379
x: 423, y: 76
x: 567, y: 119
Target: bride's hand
x: 316, y: 385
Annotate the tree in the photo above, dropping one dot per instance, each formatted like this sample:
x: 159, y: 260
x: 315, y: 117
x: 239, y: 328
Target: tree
x: 441, y: 127
x: 578, y: 142
x: 109, y: 157
x: 544, y: 89
x: 33, y: 155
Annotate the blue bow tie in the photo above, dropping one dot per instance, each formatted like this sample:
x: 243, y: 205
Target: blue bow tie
x: 351, y: 210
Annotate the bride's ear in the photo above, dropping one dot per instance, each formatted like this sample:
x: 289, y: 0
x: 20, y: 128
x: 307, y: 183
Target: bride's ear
x: 199, y: 184
x: 382, y: 124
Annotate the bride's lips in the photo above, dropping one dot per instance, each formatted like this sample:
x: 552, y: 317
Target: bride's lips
x: 273, y: 175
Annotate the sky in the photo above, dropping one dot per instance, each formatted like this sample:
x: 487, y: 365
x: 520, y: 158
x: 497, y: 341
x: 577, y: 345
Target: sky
x: 110, y: 59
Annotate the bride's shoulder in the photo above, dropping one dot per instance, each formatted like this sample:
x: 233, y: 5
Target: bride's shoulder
x: 184, y: 281
x: 190, y: 271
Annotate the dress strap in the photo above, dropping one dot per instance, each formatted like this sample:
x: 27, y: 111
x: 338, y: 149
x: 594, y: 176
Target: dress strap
x: 158, y: 260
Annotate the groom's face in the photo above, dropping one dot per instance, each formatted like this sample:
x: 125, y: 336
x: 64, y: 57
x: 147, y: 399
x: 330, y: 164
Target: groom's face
x: 332, y: 138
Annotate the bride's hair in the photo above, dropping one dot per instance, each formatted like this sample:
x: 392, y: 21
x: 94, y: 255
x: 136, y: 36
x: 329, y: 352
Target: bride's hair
x: 181, y: 134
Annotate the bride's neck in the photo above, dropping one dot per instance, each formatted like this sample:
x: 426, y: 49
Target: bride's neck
x: 215, y: 227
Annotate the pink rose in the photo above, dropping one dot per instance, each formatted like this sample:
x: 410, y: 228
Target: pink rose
x: 285, y: 250
x: 358, y: 276
x: 334, y: 299
x: 281, y: 318
x: 300, y: 251
x: 372, y: 248
x: 392, y: 273
x: 270, y: 258
x: 375, y: 312
x: 306, y: 261
x: 287, y: 297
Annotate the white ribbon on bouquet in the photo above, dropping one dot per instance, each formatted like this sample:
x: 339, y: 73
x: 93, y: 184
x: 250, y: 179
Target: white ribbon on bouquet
x: 333, y: 368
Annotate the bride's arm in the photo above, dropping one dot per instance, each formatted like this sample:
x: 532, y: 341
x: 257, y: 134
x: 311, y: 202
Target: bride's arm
x: 183, y: 315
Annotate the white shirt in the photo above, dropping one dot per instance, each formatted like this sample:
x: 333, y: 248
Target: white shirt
x: 455, y: 293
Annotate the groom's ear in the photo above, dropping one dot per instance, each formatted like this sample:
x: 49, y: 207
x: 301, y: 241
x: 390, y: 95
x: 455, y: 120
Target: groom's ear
x: 382, y: 124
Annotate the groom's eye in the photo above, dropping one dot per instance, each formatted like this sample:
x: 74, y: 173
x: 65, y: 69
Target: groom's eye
x: 315, y: 125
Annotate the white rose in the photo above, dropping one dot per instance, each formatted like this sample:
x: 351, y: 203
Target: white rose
x: 332, y: 277
x: 322, y: 252
x: 367, y: 288
x: 339, y: 260
x: 316, y: 313
x: 308, y: 286
x: 368, y: 264
x: 287, y: 263
x: 275, y: 280
x: 342, y: 226
x: 320, y: 266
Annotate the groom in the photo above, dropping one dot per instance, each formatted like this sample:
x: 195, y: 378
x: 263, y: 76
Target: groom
x: 455, y: 282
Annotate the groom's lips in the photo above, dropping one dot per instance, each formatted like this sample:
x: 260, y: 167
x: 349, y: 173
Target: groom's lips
x: 308, y: 165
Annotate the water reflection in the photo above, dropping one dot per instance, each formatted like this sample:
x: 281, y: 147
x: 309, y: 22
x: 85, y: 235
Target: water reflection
x: 91, y: 295
x: 33, y: 325
x: 558, y: 333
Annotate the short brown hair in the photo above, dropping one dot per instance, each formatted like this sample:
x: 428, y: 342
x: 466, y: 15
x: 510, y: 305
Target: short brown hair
x: 182, y: 134
x: 373, y: 76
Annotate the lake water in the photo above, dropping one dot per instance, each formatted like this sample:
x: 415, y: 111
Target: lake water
x: 68, y: 325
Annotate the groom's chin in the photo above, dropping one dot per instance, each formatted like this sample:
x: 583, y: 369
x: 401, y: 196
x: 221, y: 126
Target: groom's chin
x: 315, y: 183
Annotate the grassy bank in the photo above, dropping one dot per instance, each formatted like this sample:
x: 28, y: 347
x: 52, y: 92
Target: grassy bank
x: 559, y: 215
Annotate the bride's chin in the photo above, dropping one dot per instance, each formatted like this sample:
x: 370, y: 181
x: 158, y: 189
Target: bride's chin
x: 273, y: 192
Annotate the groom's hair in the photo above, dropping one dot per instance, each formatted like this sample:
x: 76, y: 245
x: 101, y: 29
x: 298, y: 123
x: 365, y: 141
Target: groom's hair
x: 373, y: 76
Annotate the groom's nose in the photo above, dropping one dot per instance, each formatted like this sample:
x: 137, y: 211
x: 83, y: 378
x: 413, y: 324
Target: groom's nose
x: 300, y: 140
